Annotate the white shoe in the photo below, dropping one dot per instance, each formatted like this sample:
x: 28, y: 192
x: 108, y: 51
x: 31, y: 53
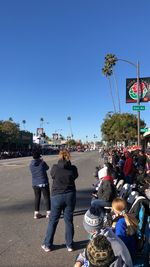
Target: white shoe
x: 69, y: 249
x: 46, y: 249
x: 48, y: 214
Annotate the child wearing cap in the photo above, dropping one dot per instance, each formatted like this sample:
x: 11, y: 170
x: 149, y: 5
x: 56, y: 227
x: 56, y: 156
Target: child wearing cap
x: 105, y: 248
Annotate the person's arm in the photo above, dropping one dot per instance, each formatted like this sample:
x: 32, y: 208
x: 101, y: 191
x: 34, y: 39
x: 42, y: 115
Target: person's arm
x: 52, y: 171
x: 80, y: 259
x: 78, y: 264
x: 75, y: 172
x: 45, y: 165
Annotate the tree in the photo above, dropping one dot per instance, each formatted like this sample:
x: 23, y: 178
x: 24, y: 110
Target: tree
x: 10, y: 119
x: 69, y: 120
x: 24, y: 122
x: 110, y: 62
x: 120, y: 127
x: 41, y: 122
x: 9, y: 132
x: 71, y: 143
x: 108, y: 72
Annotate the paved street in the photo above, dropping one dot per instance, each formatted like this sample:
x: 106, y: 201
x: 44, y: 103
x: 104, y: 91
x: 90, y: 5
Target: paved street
x: 21, y: 236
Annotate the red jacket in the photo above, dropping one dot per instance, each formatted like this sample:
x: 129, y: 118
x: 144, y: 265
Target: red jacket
x: 128, y: 167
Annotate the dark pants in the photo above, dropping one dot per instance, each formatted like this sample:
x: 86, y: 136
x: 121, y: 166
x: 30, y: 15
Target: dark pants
x: 66, y: 203
x: 46, y: 194
x: 101, y: 203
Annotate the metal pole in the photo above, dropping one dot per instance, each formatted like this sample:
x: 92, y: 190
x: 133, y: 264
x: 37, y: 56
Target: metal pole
x: 138, y: 102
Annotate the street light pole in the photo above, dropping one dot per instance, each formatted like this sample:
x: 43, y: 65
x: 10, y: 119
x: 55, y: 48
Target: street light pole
x: 137, y: 66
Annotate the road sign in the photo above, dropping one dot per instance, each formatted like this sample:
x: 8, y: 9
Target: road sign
x: 138, y: 108
x: 144, y: 130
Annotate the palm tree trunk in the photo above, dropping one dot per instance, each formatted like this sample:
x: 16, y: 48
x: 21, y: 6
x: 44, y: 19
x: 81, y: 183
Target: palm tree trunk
x: 110, y: 89
x: 117, y: 91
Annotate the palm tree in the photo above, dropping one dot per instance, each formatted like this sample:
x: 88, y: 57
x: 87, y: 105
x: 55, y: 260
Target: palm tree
x: 69, y: 120
x: 41, y: 122
x: 24, y: 122
x: 10, y: 119
x: 110, y: 62
x: 107, y: 71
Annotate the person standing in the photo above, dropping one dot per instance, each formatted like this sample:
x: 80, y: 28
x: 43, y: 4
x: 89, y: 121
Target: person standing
x: 128, y: 168
x: 63, y: 198
x: 40, y: 183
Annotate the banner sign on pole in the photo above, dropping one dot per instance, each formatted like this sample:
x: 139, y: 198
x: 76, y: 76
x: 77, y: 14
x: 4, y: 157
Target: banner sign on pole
x: 131, y: 90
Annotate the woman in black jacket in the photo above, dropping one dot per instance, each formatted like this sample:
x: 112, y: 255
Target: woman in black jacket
x: 63, y: 198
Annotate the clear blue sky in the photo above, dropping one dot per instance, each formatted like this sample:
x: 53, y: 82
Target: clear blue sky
x: 51, y: 55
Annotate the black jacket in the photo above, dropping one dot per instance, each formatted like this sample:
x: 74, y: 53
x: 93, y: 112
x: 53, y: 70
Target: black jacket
x: 63, y: 175
x: 107, y: 189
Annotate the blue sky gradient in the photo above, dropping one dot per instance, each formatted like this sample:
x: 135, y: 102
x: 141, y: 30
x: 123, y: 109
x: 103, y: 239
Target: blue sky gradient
x: 51, y: 56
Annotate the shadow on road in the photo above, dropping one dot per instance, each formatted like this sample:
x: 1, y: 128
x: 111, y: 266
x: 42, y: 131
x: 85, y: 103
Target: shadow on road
x: 77, y: 245
x: 82, y: 204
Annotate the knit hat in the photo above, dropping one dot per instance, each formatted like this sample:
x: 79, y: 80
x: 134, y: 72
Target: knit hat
x: 99, y: 252
x: 103, y: 172
x: 93, y: 219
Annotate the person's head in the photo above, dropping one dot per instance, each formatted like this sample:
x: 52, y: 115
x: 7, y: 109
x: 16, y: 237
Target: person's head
x: 99, y: 252
x: 119, y: 205
x: 141, y: 169
x: 141, y: 152
x: 109, y: 168
x: 36, y: 154
x: 93, y: 219
x: 148, y: 152
x: 64, y: 155
x: 119, y: 208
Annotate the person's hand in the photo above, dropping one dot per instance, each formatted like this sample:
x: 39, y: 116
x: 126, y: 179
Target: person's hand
x: 77, y: 264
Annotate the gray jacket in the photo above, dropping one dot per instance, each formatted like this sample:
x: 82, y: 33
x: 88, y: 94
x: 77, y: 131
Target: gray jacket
x: 123, y: 258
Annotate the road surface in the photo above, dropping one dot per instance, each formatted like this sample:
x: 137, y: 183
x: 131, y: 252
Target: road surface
x: 21, y: 235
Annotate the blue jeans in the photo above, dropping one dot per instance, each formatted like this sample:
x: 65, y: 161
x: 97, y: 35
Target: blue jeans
x: 101, y: 203
x: 66, y: 203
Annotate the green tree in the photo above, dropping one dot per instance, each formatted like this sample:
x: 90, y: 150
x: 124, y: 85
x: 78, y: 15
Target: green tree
x: 71, y: 142
x: 10, y: 119
x: 107, y: 71
x: 41, y: 122
x: 120, y: 127
x: 110, y: 62
x: 9, y: 131
x: 24, y: 122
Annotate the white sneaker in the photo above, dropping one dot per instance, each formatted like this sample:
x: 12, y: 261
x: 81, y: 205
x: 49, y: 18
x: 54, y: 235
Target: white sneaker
x: 69, y: 249
x: 46, y: 249
x: 48, y: 214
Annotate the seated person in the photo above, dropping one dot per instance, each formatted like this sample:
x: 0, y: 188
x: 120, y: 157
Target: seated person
x: 105, y: 248
x: 106, y: 191
x: 124, y: 224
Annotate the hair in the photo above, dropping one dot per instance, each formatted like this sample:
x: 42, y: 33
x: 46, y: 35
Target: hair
x: 36, y: 154
x: 64, y: 155
x: 119, y: 206
x: 109, y: 168
x: 99, y: 252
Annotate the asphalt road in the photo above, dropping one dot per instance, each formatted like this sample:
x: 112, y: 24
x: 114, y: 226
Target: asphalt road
x: 21, y: 235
